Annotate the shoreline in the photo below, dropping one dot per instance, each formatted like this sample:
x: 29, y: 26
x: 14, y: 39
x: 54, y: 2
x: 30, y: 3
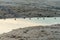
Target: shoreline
x: 10, y: 24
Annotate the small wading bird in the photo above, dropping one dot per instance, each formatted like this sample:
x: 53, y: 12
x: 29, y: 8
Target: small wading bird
x: 24, y: 17
x: 43, y: 18
x: 15, y: 19
x: 29, y: 18
x: 37, y: 17
x: 55, y: 18
x: 55, y: 13
x: 4, y: 16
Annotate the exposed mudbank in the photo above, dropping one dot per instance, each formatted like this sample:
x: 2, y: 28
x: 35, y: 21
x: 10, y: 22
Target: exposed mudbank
x: 25, y: 11
x: 29, y: 8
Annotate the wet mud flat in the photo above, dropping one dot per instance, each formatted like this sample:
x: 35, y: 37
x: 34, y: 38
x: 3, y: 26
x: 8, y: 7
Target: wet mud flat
x: 33, y: 33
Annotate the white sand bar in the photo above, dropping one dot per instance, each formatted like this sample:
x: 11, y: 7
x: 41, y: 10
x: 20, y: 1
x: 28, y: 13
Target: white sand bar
x: 9, y: 24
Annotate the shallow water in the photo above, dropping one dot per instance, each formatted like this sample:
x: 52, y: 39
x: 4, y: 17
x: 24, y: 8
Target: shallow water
x: 53, y: 20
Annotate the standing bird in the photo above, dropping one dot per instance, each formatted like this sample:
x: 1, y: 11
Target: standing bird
x: 43, y: 18
x: 15, y: 17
